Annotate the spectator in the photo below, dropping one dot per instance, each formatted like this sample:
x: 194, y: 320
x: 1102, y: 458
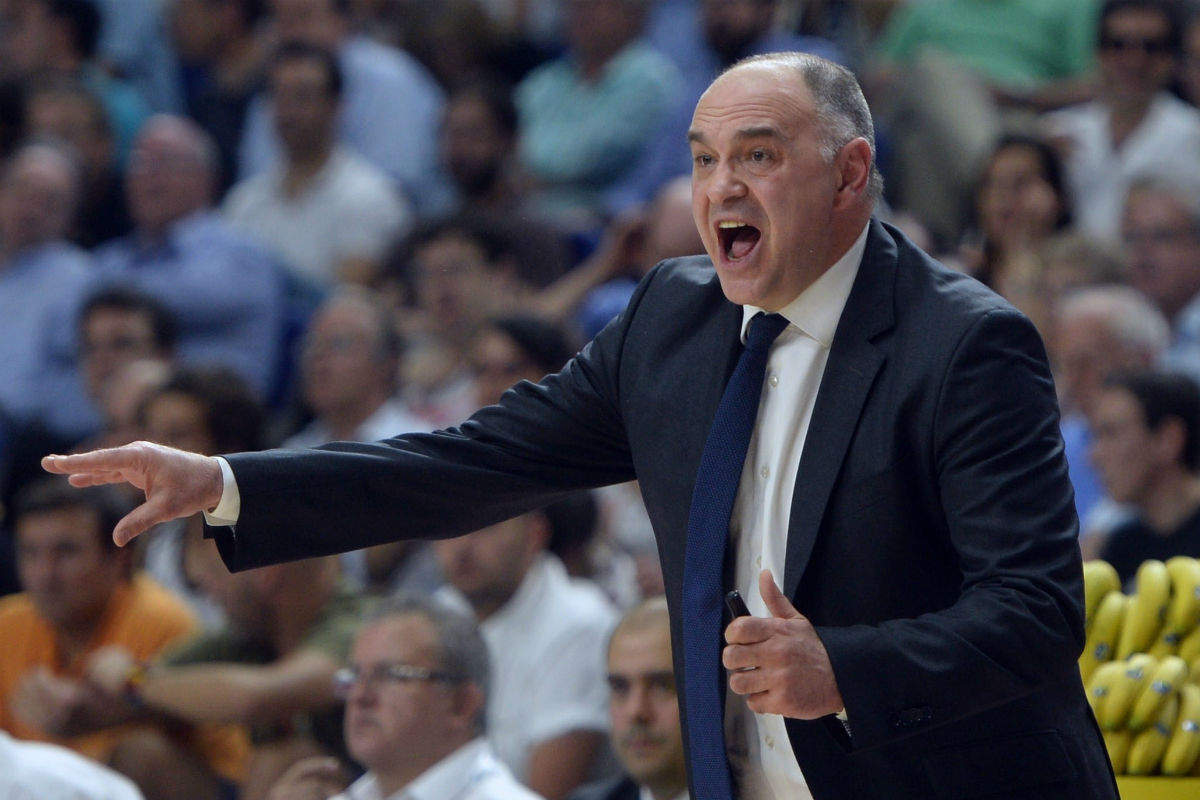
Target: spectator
x: 1147, y: 450
x: 222, y: 58
x: 205, y: 410
x: 1161, y: 229
x: 290, y: 627
x: 416, y: 688
x: 326, y: 211
x: 42, y: 281
x: 118, y: 327
x: 949, y: 75
x: 349, y: 366
x: 1098, y: 331
x: 68, y: 110
x: 461, y: 272
x: 380, y: 81
x: 82, y: 595
x: 478, y: 143
x: 61, y: 37
x: 545, y: 634
x: 515, y: 348
x: 224, y: 287
x: 1127, y: 130
x: 1020, y: 201
x: 643, y: 711
x: 587, y: 116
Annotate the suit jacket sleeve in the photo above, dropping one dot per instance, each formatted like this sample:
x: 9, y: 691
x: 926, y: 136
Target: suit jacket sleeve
x: 542, y: 441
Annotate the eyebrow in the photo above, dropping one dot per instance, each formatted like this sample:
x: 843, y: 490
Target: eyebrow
x: 755, y: 132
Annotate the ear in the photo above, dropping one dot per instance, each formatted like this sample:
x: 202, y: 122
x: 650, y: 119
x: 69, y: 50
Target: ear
x: 537, y: 527
x: 1169, y: 439
x: 466, y: 705
x: 853, y: 163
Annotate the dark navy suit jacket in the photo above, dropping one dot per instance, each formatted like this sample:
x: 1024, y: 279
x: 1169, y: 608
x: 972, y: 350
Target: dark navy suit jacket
x: 932, y: 538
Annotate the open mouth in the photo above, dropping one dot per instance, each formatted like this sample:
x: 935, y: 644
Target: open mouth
x: 737, y: 238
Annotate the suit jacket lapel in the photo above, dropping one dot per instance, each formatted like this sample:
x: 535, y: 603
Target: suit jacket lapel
x: 854, y: 361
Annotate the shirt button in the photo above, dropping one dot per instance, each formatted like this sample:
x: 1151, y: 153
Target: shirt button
x: 765, y: 472
x: 758, y: 562
x: 770, y: 740
x: 774, y: 381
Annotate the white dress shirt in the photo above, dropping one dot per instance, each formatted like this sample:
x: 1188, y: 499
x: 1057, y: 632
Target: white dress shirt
x: 44, y: 771
x: 764, y: 765
x: 471, y: 772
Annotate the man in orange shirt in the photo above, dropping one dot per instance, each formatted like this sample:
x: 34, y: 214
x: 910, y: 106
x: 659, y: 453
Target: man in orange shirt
x: 81, y: 594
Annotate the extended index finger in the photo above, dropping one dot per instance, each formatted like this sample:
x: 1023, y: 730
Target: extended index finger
x: 110, y: 459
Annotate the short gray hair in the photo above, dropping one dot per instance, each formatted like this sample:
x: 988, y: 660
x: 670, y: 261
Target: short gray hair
x: 1126, y: 313
x: 842, y: 109
x: 462, y: 652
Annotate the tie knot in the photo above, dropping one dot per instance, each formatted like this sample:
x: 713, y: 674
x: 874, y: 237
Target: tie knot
x: 764, y: 329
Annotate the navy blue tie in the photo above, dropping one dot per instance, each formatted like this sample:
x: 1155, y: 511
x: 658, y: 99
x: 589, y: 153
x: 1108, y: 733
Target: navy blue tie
x: 708, y: 530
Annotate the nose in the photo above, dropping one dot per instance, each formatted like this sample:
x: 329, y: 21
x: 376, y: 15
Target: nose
x: 725, y: 183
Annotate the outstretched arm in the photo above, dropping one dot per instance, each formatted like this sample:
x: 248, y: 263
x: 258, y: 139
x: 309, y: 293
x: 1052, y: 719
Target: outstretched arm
x: 176, y: 483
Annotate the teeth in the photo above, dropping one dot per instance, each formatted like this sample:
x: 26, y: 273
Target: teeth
x: 731, y: 224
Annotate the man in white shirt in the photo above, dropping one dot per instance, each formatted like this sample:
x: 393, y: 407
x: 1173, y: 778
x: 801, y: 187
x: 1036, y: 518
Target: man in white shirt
x: 545, y: 634
x: 416, y: 689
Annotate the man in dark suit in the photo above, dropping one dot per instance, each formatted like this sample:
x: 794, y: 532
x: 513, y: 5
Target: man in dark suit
x: 643, y: 711
x: 905, y: 478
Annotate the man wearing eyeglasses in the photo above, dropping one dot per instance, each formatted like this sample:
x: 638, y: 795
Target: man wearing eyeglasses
x: 415, y: 691
x: 1135, y: 127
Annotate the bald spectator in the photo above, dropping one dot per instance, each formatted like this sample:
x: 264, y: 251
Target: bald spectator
x: 545, y: 635
x: 380, y: 81
x: 643, y: 709
x: 326, y: 211
x: 224, y: 287
x: 42, y: 281
x: 587, y: 116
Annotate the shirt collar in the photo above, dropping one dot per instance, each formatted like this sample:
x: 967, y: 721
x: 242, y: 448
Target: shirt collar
x: 818, y: 308
x: 452, y: 775
x: 644, y: 794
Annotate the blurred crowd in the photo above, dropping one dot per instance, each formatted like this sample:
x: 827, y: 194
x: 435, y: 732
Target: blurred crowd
x: 235, y: 224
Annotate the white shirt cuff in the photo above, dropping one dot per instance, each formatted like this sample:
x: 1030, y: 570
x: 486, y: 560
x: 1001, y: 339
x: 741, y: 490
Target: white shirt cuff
x: 227, y: 511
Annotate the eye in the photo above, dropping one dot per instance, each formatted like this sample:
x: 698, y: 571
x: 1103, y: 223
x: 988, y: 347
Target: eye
x: 759, y: 155
x: 703, y: 160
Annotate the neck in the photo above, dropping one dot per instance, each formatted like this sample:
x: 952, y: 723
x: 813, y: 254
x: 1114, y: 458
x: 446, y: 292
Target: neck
x: 344, y: 422
x: 666, y: 788
x: 1126, y: 116
x: 295, y: 614
x: 303, y: 166
x: 1172, y: 501
x: 400, y: 772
